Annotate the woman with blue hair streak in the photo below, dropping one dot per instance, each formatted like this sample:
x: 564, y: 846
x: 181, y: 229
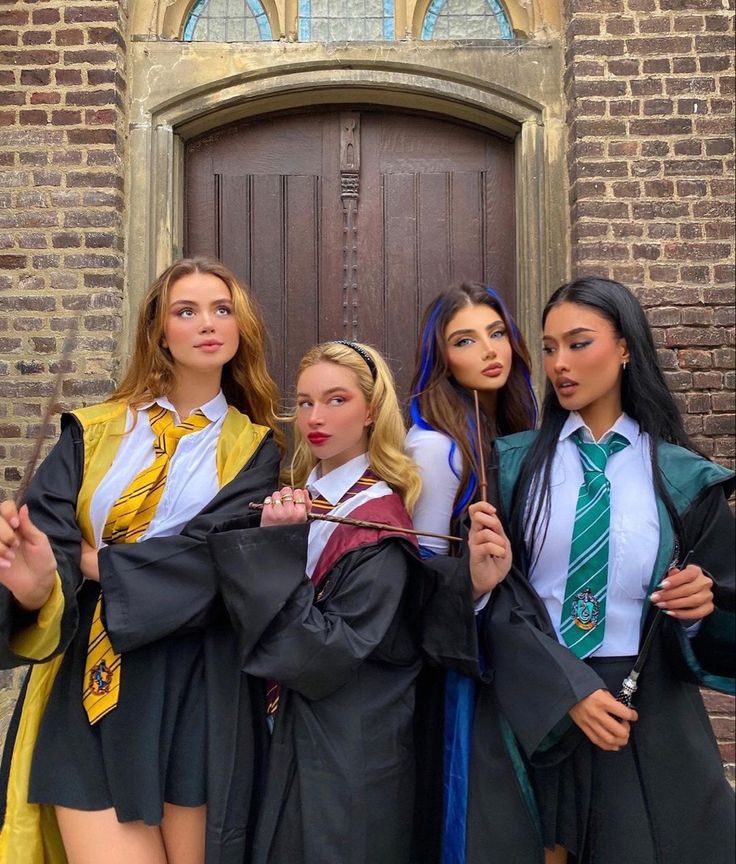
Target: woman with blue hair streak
x: 469, y: 343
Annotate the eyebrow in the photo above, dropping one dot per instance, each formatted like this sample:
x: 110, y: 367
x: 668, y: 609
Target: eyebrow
x: 220, y: 302
x: 574, y: 332
x: 470, y: 330
x: 329, y: 392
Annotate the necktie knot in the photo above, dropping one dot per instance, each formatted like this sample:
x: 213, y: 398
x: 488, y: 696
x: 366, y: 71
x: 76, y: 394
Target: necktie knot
x: 594, y: 455
x: 167, y: 433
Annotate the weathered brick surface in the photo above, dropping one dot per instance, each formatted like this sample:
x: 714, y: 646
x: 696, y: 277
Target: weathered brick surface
x: 62, y: 128
x: 650, y: 90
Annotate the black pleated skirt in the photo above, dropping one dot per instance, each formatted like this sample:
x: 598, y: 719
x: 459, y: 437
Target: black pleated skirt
x: 149, y: 750
x: 592, y: 802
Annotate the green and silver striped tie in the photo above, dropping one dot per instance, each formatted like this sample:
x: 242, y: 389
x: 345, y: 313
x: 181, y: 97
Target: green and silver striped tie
x: 584, y: 606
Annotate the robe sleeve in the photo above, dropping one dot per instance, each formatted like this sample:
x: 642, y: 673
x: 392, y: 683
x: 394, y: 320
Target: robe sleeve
x: 284, y: 634
x: 449, y: 627
x: 166, y: 585
x: 708, y: 527
x: 52, y: 498
x: 536, y: 679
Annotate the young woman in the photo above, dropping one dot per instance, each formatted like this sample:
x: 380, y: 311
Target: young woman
x: 469, y: 343
x: 108, y: 588
x: 616, y: 521
x: 328, y: 613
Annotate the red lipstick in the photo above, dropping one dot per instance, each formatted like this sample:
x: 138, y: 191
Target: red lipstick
x: 317, y: 438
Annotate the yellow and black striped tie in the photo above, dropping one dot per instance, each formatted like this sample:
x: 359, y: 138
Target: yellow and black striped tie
x: 127, y: 521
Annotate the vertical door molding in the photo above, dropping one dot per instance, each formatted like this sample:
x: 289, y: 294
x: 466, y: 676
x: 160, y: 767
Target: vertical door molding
x: 349, y: 193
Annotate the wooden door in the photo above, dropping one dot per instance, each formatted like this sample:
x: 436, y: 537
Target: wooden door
x: 346, y: 224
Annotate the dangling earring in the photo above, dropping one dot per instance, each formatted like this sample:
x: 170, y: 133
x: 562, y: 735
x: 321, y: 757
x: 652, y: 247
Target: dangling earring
x: 625, y: 365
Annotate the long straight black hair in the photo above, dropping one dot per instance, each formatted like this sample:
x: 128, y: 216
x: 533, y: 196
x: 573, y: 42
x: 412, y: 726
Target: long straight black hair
x: 644, y: 396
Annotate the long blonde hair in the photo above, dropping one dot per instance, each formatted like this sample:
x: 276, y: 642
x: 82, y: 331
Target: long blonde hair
x: 245, y: 380
x: 386, y: 434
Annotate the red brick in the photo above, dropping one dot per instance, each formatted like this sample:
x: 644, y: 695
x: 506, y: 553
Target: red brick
x: 13, y: 17
x: 69, y: 37
x: 45, y: 16
x: 692, y: 166
x: 668, y: 46
x: 29, y: 58
x: 688, y: 147
x: 67, y: 77
x: 37, y: 37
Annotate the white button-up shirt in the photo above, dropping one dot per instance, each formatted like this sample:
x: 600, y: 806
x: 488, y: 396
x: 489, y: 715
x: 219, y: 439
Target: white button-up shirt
x: 633, y: 539
x: 192, y: 479
x: 332, y: 487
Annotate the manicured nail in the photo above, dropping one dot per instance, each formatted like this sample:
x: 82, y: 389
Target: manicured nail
x: 656, y: 596
x: 15, y: 522
x: 664, y: 584
x: 4, y: 563
x: 669, y: 612
x: 661, y: 606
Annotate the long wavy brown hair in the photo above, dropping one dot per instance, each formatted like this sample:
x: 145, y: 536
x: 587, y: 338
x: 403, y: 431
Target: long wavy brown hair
x: 439, y: 402
x: 385, y: 435
x: 245, y: 383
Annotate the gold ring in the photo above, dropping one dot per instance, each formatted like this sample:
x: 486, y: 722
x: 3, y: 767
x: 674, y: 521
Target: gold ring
x: 287, y: 497
x: 276, y: 502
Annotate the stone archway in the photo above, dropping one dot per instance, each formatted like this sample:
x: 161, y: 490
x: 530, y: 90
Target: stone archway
x: 181, y: 90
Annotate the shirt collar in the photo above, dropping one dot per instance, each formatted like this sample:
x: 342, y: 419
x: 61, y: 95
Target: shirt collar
x: 625, y: 426
x: 335, y: 484
x: 213, y: 410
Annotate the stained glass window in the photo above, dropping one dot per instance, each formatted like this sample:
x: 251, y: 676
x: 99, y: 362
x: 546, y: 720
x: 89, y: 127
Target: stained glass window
x: 227, y: 21
x: 466, y: 19
x: 345, y: 20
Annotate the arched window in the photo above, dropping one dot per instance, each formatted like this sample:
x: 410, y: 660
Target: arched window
x: 345, y: 20
x: 227, y: 21
x: 466, y: 19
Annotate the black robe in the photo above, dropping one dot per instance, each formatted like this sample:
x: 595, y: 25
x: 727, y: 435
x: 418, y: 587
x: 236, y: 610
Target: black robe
x: 522, y: 728
x: 153, y: 589
x: 340, y: 784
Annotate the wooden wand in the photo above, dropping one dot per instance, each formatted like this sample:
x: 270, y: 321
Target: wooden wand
x: 482, y: 480
x: 361, y: 523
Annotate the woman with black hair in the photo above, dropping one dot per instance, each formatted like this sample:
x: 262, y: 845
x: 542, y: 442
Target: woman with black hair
x: 615, y: 518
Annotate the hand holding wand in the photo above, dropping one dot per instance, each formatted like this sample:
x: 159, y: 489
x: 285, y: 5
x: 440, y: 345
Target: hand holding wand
x: 630, y: 683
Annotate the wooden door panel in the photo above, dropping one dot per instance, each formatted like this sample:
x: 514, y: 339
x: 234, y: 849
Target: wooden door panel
x: 434, y: 206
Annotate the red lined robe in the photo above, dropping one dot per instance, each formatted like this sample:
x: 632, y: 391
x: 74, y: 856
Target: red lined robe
x: 340, y: 780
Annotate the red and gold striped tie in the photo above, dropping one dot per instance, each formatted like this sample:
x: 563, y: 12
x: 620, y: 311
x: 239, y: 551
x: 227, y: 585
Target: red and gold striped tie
x: 127, y: 521
x: 319, y: 505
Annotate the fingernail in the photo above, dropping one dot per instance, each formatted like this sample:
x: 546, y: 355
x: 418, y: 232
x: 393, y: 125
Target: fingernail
x: 15, y: 522
x: 669, y: 612
x: 4, y: 563
x: 664, y: 584
x: 656, y: 596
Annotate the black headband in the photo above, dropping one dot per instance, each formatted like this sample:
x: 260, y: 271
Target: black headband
x: 363, y: 353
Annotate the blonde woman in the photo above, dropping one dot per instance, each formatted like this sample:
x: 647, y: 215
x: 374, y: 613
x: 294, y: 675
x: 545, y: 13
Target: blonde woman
x: 326, y: 615
x: 136, y: 713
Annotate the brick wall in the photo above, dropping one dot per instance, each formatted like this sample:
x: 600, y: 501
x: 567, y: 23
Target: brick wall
x: 650, y: 90
x: 62, y: 88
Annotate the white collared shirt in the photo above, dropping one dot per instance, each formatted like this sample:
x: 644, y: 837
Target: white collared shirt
x: 633, y: 538
x: 192, y: 479
x: 430, y: 450
x: 332, y: 487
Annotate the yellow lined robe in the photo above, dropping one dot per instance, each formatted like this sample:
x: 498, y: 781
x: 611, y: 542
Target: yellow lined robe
x: 30, y: 834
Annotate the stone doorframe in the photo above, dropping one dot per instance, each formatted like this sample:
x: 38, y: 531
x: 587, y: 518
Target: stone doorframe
x: 180, y: 90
